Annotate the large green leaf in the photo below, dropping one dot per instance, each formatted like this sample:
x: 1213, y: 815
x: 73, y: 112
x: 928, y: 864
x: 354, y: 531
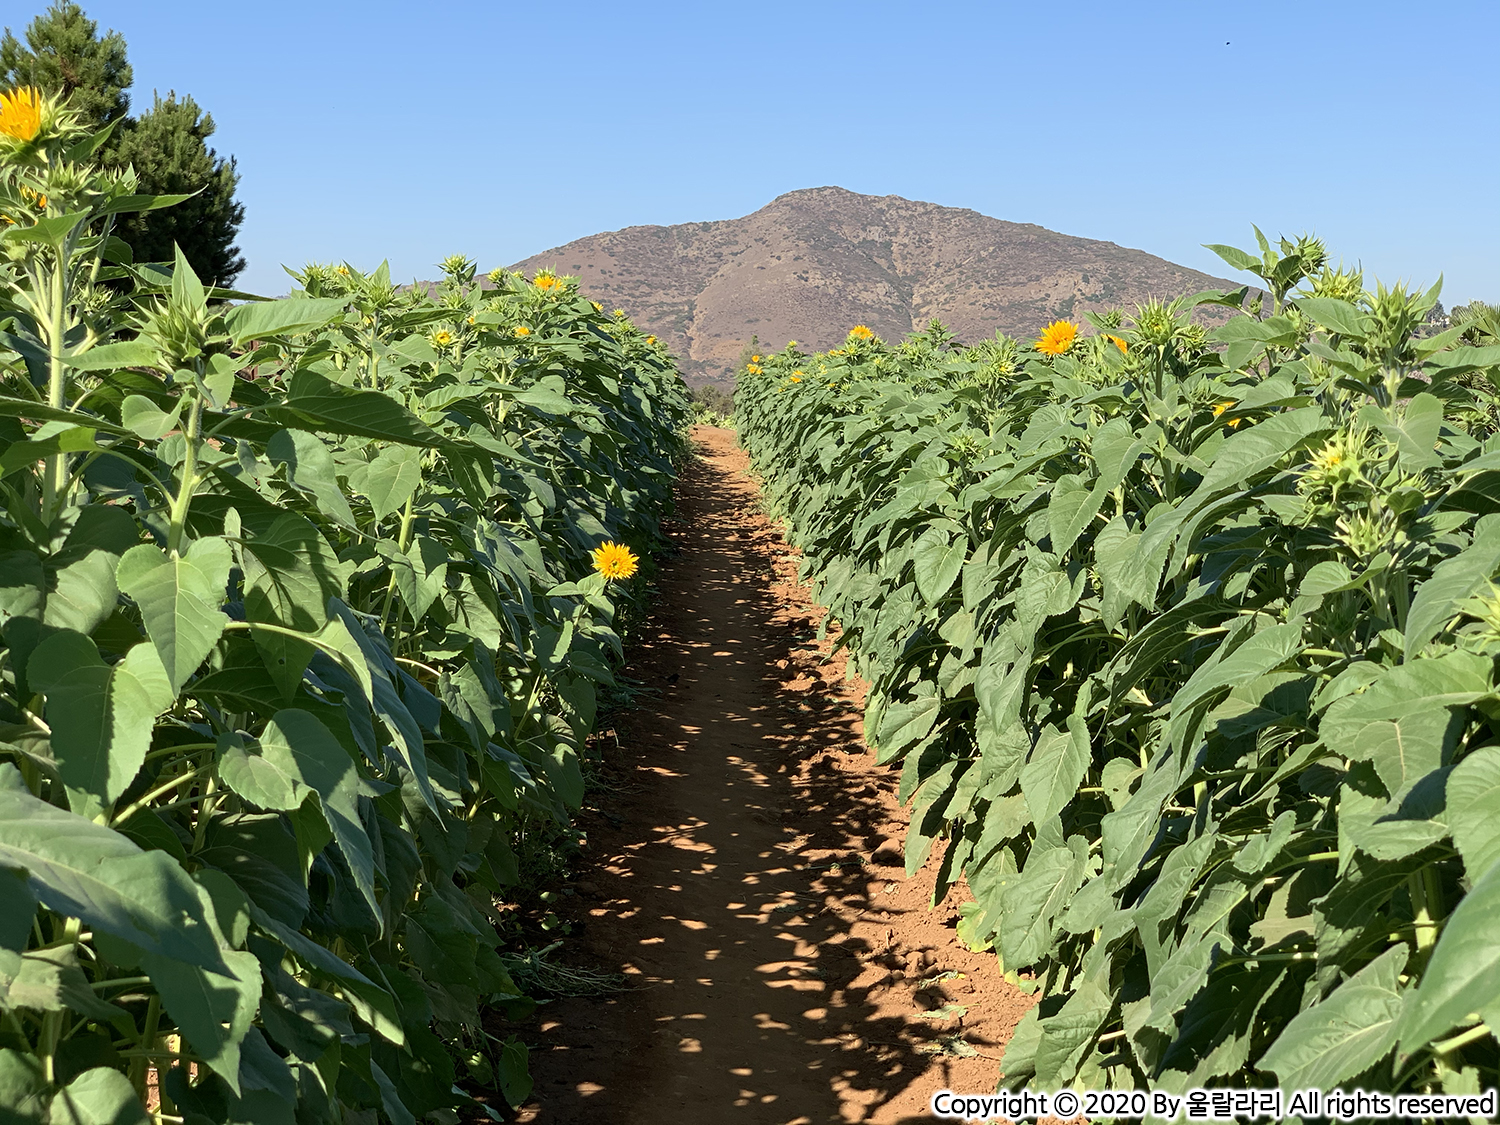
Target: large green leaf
x: 100, y: 1096
x: 1344, y: 1035
x: 290, y: 573
x: 179, y: 597
x: 310, y: 467
x: 1057, y: 766
x: 1405, y: 721
x: 371, y: 1003
x: 101, y: 716
x: 1264, y: 445
x: 257, y: 320
x: 1072, y: 508
x: 421, y: 572
x: 203, y: 1003
x: 1033, y: 902
x: 81, y: 575
x: 84, y: 870
x: 392, y: 478
x: 24, y: 1089
x: 1463, y: 974
x: 1340, y: 316
x: 340, y: 409
x: 1452, y: 581
x: 303, y: 750
x: 1473, y: 809
x: 905, y: 723
x: 937, y: 559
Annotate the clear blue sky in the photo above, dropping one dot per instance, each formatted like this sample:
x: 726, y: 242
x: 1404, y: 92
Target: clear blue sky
x: 411, y: 131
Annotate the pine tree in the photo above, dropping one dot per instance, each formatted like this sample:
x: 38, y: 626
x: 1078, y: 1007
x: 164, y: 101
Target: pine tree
x: 64, y: 54
x: 167, y: 146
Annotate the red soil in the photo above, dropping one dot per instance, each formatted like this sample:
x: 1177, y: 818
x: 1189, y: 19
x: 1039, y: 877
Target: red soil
x: 747, y: 875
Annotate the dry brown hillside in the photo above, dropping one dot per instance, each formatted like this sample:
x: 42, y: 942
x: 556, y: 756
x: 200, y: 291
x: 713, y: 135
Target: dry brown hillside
x: 812, y: 263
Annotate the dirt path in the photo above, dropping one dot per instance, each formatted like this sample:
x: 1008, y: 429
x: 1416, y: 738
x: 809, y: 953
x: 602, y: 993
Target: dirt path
x: 747, y: 873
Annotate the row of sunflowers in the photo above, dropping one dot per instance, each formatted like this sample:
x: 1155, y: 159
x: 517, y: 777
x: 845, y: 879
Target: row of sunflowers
x: 307, y: 610
x: 1181, y: 629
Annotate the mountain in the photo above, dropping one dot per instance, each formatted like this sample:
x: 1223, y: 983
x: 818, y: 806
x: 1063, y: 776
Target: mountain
x: 811, y: 264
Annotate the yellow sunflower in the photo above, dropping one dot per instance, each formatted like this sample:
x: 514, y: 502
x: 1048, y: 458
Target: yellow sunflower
x: 1057, y: 337
x: 522, y: 330
x: 754, y: 368
x: 21, y: 113
x: 651, y: 341
x: 1119, y: 343
x: 615, y: 560
x: 755, y: 359
x: 860, y: 332
x: 546, y: 282
x: 442, y: 338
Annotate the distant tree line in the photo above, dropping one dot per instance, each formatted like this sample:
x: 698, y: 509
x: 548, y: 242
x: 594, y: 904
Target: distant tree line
x: 64, y: 54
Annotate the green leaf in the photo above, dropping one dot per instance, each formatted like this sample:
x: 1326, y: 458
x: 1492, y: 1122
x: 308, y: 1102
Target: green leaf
x: 304, y: 750
x: 74, y: 439
x: 101, y: 716
x: 1452, y: 580
x: 49, y: 980
x: 1057, y: 766
x: 81, y: 869
x: 905, y: 723
x: 24, y: 1089
x: 50, y: 231
x: 370, y: 1002
x: 1344, y: 1035
x: 1463, y: 974
x: 201, y: 1003
x: 421, y: 573
x: 1340, y: 316
x: 310, y: 467
x: 1404, y: 722
x: 100, y: 1096
x: 140, y: 352
x: 146, y: 420
x: 1416, y: 434
x: 82, y: 574
x: 258, y: 779
x: 1268, y: 649
x: 187, y: 290
x: 1236, y: 258
x: 937, y: 562
x: 1473, y: 809
x: 1031, y: 904
x: 129, y: 204
x: 258, y: 320
x: 1071, y: 509
x: 1252, y: 451
x: 393, y: 477
x: 348, y: 410
x: 290, y: 573
x: 179, y: 598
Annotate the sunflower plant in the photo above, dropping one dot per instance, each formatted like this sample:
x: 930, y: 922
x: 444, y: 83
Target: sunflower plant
x: 301, y: 646
x: 1183, y: 644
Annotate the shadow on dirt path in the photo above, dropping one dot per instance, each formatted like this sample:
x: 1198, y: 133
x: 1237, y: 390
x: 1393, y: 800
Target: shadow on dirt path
x: 746, y: 874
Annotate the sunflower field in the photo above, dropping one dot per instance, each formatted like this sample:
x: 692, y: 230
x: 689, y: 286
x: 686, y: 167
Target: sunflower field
x: 306, y: 608
x: 1183, y: 634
